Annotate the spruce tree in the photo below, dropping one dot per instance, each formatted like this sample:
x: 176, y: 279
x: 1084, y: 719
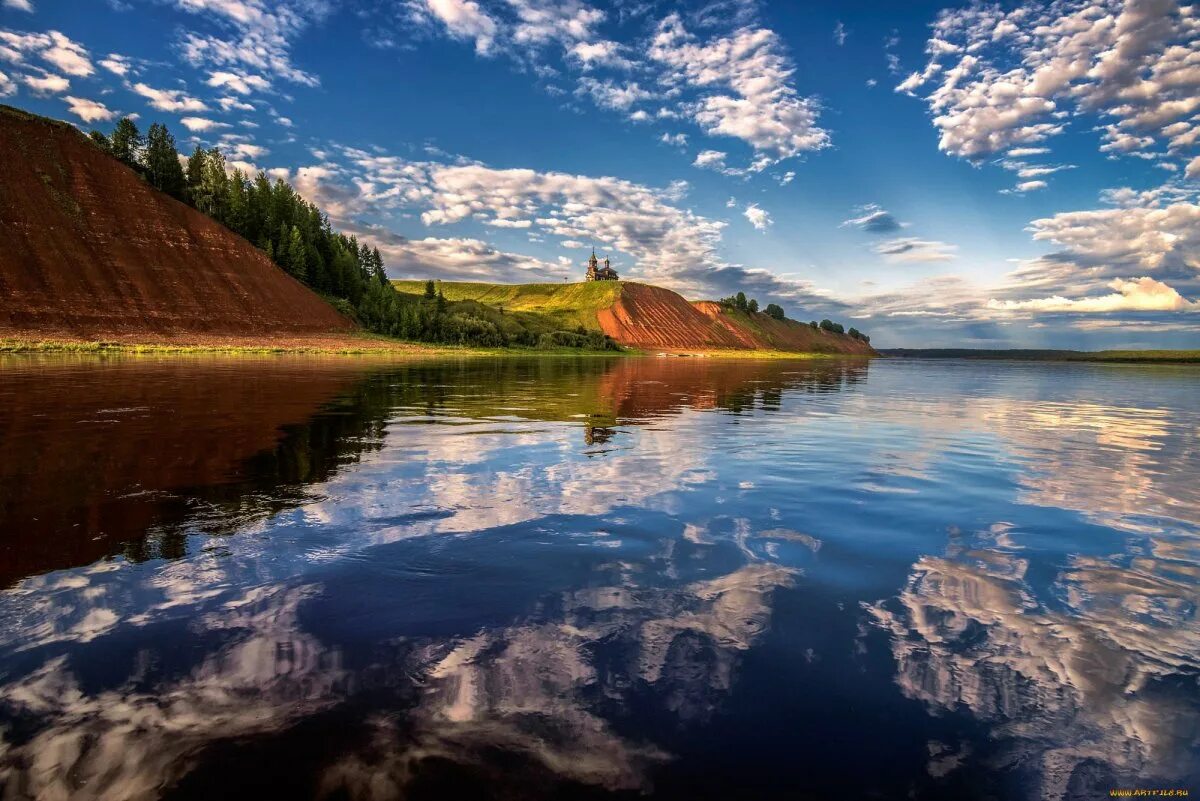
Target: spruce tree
x: 195, y: 174
x: 297, y: 255
x: 161, y: 162
x: 126, y: 142
x: 100, y: 141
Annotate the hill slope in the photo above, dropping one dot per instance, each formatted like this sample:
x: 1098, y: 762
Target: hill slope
x: 649, y: 317
x: 91, y: 251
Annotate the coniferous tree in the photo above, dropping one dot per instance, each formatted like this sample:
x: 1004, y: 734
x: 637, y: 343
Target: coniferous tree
x: 126, y: 142
x: 161, y: 162
x: 100, y: 141
x: 194, y: 174
x: 297, y: 256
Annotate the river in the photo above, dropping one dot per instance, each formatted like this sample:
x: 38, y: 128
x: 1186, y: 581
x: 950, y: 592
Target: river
x: 306, y: 577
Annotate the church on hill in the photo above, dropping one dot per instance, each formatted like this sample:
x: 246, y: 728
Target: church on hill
x: 597, y: 273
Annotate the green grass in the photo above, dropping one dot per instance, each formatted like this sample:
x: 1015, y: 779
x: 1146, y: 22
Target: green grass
x: 538, y: 307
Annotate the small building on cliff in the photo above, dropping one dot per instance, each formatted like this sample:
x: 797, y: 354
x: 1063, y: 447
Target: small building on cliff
x: 597, y: 273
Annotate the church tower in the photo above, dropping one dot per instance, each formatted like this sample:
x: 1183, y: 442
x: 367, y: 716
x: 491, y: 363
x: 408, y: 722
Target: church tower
x: 592, y: 265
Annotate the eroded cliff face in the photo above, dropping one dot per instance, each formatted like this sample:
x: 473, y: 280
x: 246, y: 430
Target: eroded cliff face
x: 91, y: 251
x: 651, y: 317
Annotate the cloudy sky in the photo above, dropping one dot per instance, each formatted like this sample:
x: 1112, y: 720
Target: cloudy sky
x: 978, y: 175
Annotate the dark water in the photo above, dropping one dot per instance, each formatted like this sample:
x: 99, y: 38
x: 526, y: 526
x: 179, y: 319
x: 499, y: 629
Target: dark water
x: 682, y: 579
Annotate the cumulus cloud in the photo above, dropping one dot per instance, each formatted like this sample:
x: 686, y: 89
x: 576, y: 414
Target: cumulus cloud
x: 873, y: 219
x: 1193, y: 168
x: 1001, y: 79
x: 909, y: 249
x: 55, y: 48
x: 710, y: 160
x: 89, y: 110
x: 743, y: 88
x: 173, y: 100
x: 1099, y: 249
x: 254, y: 35
x: 758, y: 217
x: 465, y: 19
x: 201, y: 124
x: 1138, y: 294
x: 19, y: 5
x: 236, y: 82
x: 116, y: 64
x: 48, y: 84
x: 7, y: 85
x: 612, y: 95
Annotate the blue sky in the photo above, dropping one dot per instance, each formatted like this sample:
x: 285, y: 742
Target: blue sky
x: 938, y: 175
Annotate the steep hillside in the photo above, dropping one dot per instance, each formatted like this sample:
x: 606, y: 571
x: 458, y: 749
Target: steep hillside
x: 648, y: 317
x: 91, y: 252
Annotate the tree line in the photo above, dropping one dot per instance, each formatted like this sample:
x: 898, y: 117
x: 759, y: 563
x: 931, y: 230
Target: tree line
x: 750, y: 305
x: 298, y: 237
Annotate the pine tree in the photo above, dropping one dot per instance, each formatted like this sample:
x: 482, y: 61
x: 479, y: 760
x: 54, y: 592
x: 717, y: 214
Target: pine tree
x: 161, y: 162
x: 100, y: 141
x: 195, y: 174
x: 126, y: 142
x: 297, y: 255
x: 430, y: 290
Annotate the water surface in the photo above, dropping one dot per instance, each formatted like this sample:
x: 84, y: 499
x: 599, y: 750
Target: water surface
x: 597, y: 577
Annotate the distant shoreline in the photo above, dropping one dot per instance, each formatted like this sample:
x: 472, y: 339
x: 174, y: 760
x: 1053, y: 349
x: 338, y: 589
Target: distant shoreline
x: 366, y: 345
x: 1032, y: 355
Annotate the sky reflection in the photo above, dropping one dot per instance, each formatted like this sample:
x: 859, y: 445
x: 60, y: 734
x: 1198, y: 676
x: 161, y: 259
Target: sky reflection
x: 559, y: 577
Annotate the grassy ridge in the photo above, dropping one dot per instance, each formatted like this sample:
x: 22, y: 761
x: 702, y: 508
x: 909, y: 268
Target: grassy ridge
x: 541, y: 307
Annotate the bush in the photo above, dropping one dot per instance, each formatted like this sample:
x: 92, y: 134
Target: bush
x: 832, y: 327
x: 775, y: 311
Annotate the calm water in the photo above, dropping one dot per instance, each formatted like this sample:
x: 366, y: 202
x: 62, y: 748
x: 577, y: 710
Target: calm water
x: 586, y: 578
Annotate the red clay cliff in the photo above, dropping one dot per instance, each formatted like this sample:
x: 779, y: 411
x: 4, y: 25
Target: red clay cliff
x: 89, y: 251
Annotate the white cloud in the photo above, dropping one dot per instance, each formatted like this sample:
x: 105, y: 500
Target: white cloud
x: 173, y: 100
x: 262, y: 35
x: 233, y: 104
x: 1139, y: 294
x: 116, y: 64
x: 1006, y: 80
x: 89, y: 110
x: 1193, y: 168
x: 53, y: 47
x: 19, y: 5
x: 676, y: 139
x: 758, y: 217
x: 200, y: 124
x: 874, y: 219
x: 908, y: 249
x: 239, y: 83
x: 465, y: 19
x: 47, y: 84
x: 610, y: 95
x: 7, y: 85
x: 68, y: 56
x: 764, y: 109
x: 839, y: 33
x: 710, y: 160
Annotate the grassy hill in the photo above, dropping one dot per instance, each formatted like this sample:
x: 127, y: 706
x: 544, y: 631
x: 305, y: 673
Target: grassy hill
x: 636, y: 315
x: 543, y: 307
